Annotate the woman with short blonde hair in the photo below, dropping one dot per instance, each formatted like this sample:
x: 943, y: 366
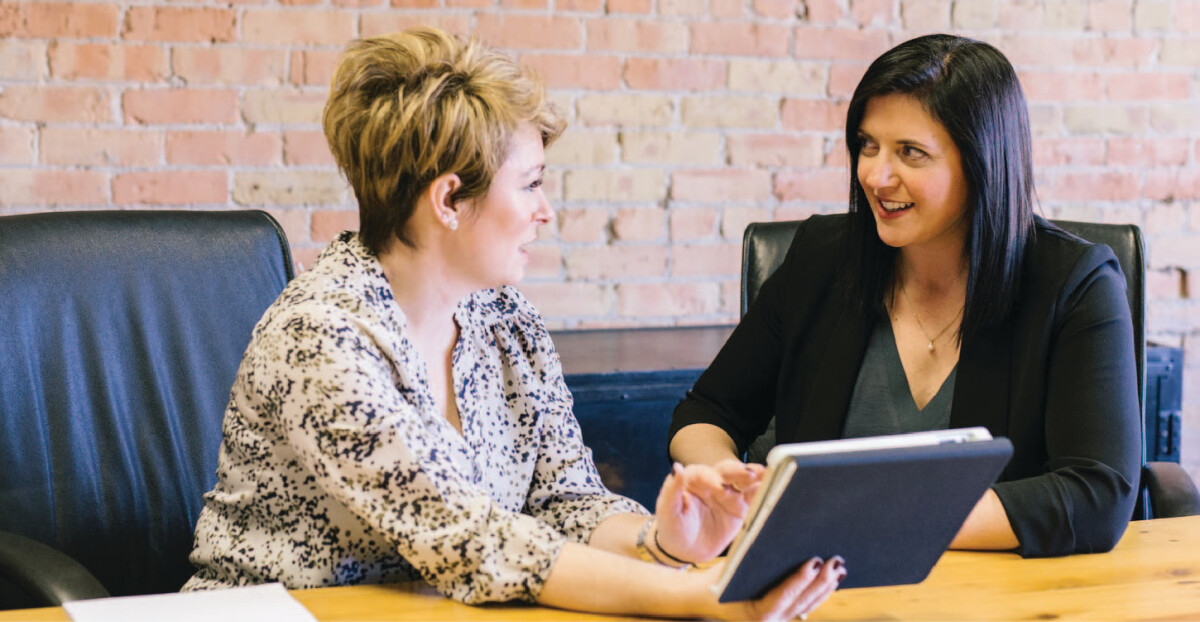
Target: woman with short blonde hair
x: 401, y: 412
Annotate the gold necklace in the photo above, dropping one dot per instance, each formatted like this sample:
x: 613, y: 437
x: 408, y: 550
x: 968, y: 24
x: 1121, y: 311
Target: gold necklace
x: 924, y: 332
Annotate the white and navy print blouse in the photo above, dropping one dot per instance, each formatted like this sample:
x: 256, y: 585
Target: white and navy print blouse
x: 337, y: 469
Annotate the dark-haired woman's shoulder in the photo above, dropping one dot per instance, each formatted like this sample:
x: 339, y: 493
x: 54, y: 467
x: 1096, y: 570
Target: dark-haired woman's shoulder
x: 1059, y: 261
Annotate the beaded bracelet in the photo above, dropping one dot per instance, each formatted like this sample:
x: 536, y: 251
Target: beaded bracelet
x: 646, y: 554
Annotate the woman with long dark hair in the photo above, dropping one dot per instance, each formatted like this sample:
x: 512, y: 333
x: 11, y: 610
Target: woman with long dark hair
x: 941, y: 300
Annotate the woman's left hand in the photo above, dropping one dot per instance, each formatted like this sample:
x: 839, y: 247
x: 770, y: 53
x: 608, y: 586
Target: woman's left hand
x: 700, y: 507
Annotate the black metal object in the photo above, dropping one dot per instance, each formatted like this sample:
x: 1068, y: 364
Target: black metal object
x: 1164, y: 393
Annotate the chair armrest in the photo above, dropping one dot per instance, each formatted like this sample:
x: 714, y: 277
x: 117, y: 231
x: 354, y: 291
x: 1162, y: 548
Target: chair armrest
x: 50, y: 576
x: 1172, y: 492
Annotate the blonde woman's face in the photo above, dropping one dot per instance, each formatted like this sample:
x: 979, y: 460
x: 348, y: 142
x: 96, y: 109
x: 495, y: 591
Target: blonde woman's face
x: 912, y: 173
x: 506, y: 219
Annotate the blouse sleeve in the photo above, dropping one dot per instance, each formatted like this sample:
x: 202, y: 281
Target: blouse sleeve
x: 1083, y: 502
x: 351, y: 420
x: 566, y: 490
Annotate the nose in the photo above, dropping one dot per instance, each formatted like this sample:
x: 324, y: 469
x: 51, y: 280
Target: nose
x: 544, y: 214
x: 876, y: 172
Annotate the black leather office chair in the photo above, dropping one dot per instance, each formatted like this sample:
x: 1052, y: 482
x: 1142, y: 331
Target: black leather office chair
x: 1167, y: 490
x: 120, y: 335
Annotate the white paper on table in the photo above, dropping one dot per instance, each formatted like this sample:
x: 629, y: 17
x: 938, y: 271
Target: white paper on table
x: 256, y: 603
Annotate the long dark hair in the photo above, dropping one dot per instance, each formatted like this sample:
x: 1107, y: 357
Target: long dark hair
x: 972, y: 90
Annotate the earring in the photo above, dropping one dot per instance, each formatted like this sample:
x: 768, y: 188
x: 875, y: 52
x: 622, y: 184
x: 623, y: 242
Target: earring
x: 453, y: 224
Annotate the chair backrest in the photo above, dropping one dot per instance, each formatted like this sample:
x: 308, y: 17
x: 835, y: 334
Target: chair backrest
x: 120, y: 335
x: 764, y: 245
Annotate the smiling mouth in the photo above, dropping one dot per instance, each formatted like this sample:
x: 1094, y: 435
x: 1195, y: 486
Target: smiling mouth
x: 892, y: 207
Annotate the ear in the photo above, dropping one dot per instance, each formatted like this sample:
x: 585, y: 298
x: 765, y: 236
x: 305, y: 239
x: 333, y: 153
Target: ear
x: 441, y: 195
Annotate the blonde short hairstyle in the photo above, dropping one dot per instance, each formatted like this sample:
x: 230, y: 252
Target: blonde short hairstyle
x: 406, y: 108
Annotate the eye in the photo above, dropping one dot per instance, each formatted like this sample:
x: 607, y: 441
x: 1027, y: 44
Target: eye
x: 537, y: 183
x: 867, y: 146
x: 913, y: 153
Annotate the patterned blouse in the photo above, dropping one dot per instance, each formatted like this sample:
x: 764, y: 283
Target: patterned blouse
x: 337, y: 469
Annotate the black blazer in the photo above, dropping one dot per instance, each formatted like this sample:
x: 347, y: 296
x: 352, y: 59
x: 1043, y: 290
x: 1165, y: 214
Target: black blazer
x: 1058, y: 379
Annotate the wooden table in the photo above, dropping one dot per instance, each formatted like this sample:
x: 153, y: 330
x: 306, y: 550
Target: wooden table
x: 1153, y: 574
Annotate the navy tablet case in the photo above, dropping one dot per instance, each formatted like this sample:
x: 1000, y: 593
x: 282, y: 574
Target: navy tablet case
x: 890, y: 513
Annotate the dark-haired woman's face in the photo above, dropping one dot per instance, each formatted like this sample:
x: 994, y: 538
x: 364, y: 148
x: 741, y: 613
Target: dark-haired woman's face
x: 912, y: 173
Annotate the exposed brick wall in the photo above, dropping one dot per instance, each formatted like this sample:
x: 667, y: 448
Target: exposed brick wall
x: 690, y: 118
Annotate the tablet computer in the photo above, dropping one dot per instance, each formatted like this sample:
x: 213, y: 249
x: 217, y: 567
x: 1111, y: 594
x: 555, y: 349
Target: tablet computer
x: 889, y: 505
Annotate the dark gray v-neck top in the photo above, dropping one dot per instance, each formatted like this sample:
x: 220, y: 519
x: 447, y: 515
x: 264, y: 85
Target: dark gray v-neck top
x: 882, y: 402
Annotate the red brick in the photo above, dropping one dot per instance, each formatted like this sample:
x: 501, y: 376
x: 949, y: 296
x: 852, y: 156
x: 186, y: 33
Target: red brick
x: 668, y: 299
x: 721, y: 185
x: 684, y: 8
x: 585, y: 6
x: 1147, y: 152
x: 675, y: 74
x: 71, y: 146
x: 327, y: 225
x: 844, y: 78
x: 840, y: 44
x: 52, y: 188
x: 288, y: 187
x: 149, y: 23
x: 16, y: 145
x: 180, y: 106
x: 775, y: 150
x: 819, y: 115
x: 693, y: 223
x: 1143, y: 86
x: 302, y: 148
x: 1075, y: 150
x: 569, y: 71
x: 519, y: 31
x: 583, y: 225
x: 1039, y: 50
x: 294, y: 223
x: 588, y: 263
x: 739, y: 39
x: 636, y: 35
x: 54, y: 20
x: 298, y: 27
x: 638, y: 7
x: 545, y: 261
x: 228, y: 65
x: 820, y: 185
x: 1110, y: 15
x: 354, y: 4
x: 283, y: 106
x: 709, y: 260
x: 734, y: 221
x: 778, y: 9
x: 55, y: 104
x: 1172, y: 185
x: 639, y: 224
x: 523, y: 4
x: 824, y: 11
x: 414, y: 4
x: 1062, y: 86
x: 1116, y: 52
x: 1185, y: 16
x: 837, y: 156
x: 474, y: 4
x: 1166, y: 284
x: 217, y: 148
x: 873, y: 12
x: 727, y: 9
x: 314, y: 67
x: 395, y: 21
x: 1104, y: 186
x: 98, y: 61
x: 171, y: 188
x: 1019, y: 14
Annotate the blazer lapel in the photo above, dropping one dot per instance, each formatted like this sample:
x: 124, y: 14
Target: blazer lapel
x: 826, y: 404
x: 981, y: 392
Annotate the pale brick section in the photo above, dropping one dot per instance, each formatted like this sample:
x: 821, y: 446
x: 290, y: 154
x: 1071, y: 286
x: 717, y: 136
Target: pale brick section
x: 614, y: 185
x: 583, y: 148
x: 292, y: 188
x: 97, y: 61
x: 626, y: 110
x: 788, y: 77
x: 55, y: 104
x: 687, y: 148
x: 89, y: 147
x: 720, y: 185
x: 749, y: 112
x: 22, y: 60
x: 688, y: 120
x: 608, y: 263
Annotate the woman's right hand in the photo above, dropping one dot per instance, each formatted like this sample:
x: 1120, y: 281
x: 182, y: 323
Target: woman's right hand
x: 794, y: 598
